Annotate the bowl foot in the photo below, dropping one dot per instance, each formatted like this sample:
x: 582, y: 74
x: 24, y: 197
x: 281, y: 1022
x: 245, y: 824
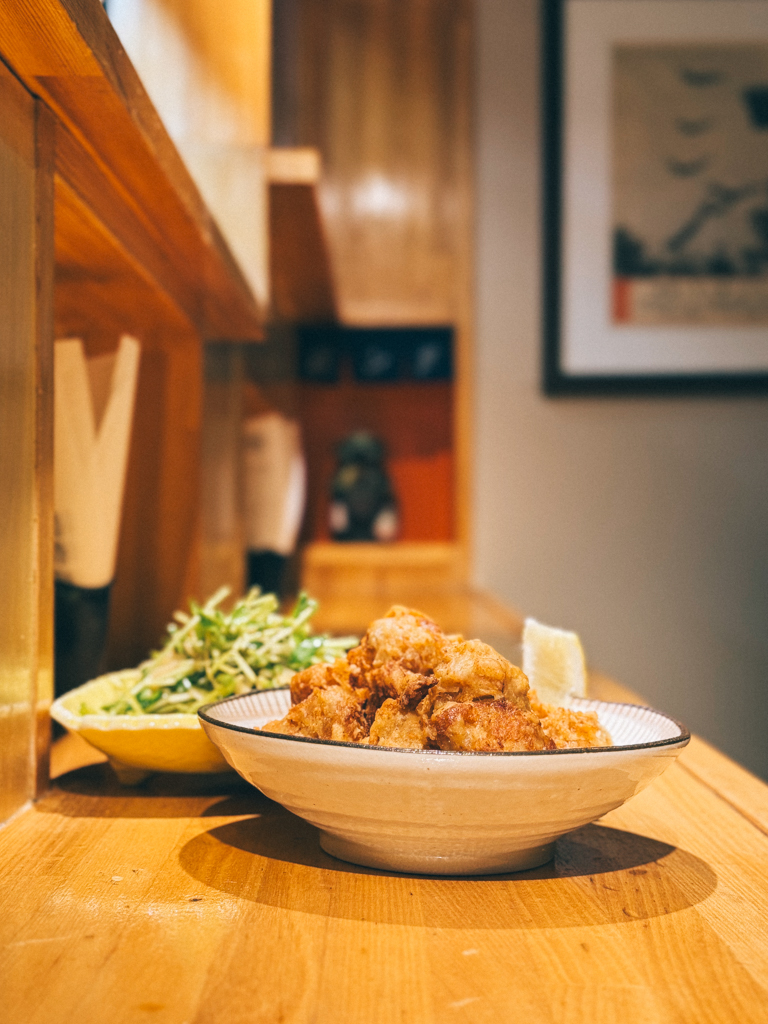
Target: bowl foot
x: 127, y: 775
x: 416, y: 863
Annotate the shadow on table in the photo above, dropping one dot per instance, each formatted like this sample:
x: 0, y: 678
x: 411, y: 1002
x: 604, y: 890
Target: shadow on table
x: 599, y: 875
x: 95, y: 792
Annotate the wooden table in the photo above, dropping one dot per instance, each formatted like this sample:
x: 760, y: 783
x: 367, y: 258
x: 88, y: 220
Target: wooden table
x: 198, y: 900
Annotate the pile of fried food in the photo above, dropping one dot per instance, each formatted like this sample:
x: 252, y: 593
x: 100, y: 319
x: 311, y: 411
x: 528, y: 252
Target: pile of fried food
x: 409, y: 685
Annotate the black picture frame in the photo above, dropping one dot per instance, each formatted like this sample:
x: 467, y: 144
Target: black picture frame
x: 557, y: 380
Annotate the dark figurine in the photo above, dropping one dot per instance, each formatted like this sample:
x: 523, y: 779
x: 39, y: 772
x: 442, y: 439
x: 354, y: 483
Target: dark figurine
x: 363, y: 504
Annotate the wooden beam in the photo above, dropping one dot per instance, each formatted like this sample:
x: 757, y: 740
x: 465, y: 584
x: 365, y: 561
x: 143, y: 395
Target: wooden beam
x: 118, y: 156
x: 300, y: 272
x: 109, y: 236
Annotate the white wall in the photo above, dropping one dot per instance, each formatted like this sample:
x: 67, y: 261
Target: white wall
x: 642, y: 523
x: 218, y: 132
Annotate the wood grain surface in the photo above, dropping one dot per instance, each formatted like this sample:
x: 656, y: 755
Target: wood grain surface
x: 197, y: 900
x: 350, y: 577
x: 159, y: 549
x: 26, y: 440
x: 385, y: 97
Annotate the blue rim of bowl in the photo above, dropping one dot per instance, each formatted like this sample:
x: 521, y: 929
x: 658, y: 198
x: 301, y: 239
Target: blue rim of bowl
x: 682, y: 740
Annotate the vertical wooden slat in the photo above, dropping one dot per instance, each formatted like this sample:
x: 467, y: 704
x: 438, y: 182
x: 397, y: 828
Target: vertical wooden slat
x: 222, y: 544
x: 158, y: 552
x: 45, y: 161
x: 25, y: 439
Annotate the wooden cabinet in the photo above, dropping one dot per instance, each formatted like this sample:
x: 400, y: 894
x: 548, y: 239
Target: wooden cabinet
x: 103, y: 232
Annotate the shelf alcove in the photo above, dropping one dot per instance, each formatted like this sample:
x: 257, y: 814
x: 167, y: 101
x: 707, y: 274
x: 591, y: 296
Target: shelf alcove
x: 382, y: 93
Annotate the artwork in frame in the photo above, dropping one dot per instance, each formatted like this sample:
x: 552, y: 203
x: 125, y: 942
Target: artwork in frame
x: 656, y: 196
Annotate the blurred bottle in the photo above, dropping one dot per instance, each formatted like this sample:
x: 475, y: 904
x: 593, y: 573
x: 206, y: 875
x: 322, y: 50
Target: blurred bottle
x: 93, y: 412
x: 274, y: 496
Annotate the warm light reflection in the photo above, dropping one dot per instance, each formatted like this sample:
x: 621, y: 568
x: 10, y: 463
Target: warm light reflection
x: 378, y: 196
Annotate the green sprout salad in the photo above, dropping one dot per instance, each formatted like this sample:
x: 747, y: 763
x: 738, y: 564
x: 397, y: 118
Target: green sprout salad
x: 211, y: 654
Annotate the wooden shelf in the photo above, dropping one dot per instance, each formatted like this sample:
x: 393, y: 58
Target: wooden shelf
x: 384, y: 572
x: 138, y: 211
x: 300, y: 273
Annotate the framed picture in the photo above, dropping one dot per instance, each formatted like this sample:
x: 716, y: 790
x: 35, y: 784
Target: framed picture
x: 656, y: 195
x: 375, y: 352
x: 430, y: 353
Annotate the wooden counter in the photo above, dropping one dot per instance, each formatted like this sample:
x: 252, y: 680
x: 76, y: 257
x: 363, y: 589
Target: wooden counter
x: 198, y: 900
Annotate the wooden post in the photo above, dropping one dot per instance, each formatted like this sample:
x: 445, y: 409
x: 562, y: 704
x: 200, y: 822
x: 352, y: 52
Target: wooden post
x: 26, y: 442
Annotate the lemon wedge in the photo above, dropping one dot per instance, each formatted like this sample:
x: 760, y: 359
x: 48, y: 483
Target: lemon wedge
x: 553, y: 660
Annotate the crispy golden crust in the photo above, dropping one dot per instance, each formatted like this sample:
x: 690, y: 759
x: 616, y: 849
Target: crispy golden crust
x: 409, y: 685
x: 318, y: 677
x: 470, y: 669
x: 405, y: 636
x: 329, y: 713
x: 395, y: 727
x: 486, y: 725
x: 398, y: 683
x: 569, y: 729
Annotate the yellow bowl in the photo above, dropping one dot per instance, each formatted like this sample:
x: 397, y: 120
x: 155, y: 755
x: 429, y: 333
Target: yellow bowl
x: 136, y: 745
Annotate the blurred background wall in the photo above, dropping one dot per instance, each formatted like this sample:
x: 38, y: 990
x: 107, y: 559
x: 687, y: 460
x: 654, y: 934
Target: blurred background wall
x: 642, y: 523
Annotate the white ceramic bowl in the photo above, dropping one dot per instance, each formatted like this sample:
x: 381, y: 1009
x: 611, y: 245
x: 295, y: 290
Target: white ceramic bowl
x: 441, y: 812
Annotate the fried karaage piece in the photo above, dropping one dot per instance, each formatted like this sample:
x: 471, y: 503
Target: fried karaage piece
x: 318, y: 677
x: 398, y: 683
x: 568, y: 728
x: 396, y: 657
x: 471, y: 669
x: 409, y: 685
x: 395, y: 727
x: 486, y: 725
x: 405, y: 636
x: 328, y: 713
